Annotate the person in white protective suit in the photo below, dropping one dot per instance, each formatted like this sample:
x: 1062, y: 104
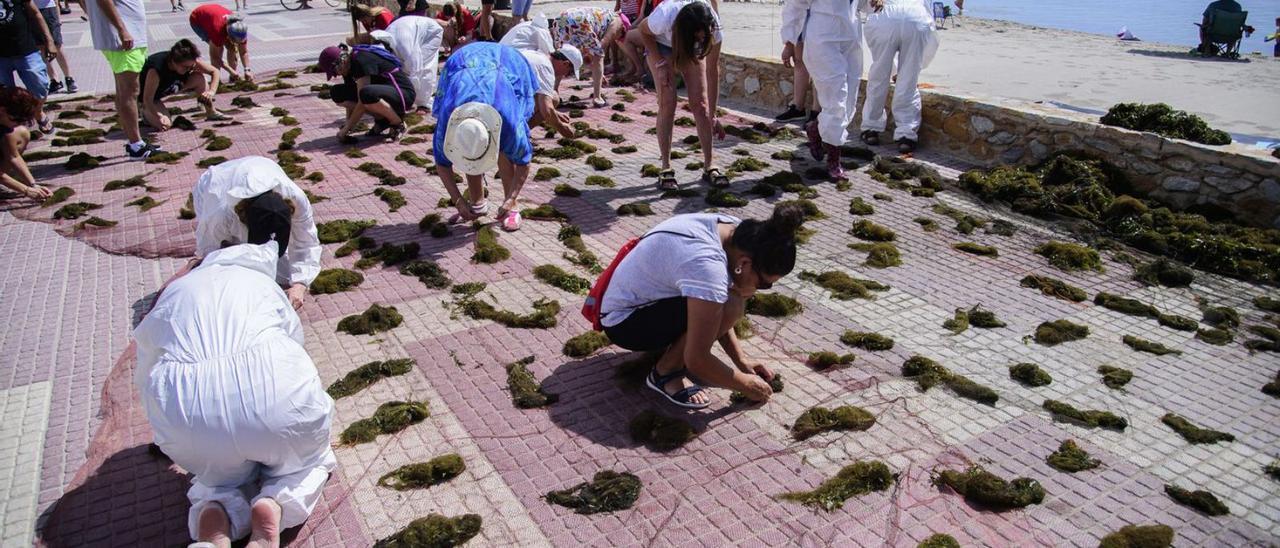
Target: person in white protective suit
x: 530, y: 36
x: 833, y: 54
x: 416, y: 41
x: 901, y: 29
x: 234, y: 399
x: 249, y: 199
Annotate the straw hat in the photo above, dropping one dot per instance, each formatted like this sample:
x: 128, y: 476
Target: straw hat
x: 471, y: 139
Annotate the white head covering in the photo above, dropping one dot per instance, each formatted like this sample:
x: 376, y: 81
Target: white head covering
x: 471, y: 139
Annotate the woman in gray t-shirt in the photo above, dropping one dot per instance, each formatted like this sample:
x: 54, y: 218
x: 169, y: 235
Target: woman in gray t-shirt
x: 684, y: 286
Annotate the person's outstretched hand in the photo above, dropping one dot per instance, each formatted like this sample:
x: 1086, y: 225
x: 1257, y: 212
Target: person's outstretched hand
x: 756, y: 388
x: 788, y: 54
x: 37, y: 192
x: 760, y: 369
x: 297, y: 295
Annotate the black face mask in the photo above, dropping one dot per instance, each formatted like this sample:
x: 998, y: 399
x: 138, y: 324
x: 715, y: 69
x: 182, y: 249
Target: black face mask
x: 268, y: 218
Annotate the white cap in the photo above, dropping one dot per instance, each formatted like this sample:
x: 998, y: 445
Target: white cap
x: 471, y: 139
x: 574, y: 56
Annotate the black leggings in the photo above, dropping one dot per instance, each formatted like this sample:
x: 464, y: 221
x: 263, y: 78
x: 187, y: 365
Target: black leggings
x: 654, y: 326
x: 372, y: 93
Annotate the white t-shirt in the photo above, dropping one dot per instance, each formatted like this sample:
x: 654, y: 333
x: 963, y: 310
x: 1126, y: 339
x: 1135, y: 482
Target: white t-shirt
x: 527, y: 37
x: 663, y: 20
x: 546, y: 72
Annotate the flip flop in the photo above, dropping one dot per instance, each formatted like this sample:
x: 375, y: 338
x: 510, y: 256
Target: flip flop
x: 395, y: 132
x: 714, y: 178
x: 656, y: 383
x: 667, y: 180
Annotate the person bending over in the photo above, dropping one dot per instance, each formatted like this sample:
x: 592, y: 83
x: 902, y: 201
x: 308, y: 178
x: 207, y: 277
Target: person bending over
x: 373, y: 81
x: 250, y: 199
x: 416, y: 41
x: 684, y: 36
x: 175, y: 71
x: 373, y: 17
x: 234, y: 399
x: 459, y: 25
x: 223, y: 31
x: 591, y: 30
x: 17, y: 109
x: 682, y: 288
x: 483, y: 106
x: 901, y: 30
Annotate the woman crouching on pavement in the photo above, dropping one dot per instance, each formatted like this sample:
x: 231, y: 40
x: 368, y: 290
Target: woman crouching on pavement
x: 684, y: 286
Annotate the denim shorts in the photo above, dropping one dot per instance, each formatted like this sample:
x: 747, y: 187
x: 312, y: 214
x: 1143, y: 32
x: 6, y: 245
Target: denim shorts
x: 31, y: 69
x: 520, y: 8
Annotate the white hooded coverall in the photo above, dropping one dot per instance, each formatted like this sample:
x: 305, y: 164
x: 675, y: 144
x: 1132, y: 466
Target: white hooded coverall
x: 904, y: 28
x: 230, y: 392
x: 833, y: 55
x: 530, y: 36
x: 222, y: 186
x: 416, y: 41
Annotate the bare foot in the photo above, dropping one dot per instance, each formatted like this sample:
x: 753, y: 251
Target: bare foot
x: 213, y: 526
x: 680, y: 383
x: 265, y: 520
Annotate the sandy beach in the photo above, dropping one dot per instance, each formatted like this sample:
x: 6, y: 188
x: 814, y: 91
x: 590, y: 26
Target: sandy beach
x: 990, y: 58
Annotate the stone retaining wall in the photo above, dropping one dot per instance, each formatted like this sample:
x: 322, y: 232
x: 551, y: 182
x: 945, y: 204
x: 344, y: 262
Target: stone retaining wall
x: 1243, y: 182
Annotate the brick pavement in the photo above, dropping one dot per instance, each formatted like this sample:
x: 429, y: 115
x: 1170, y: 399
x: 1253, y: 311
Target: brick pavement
x: 717, y: 490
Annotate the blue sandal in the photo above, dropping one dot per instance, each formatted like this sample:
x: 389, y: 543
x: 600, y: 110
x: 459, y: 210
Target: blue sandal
x: 658, y: 382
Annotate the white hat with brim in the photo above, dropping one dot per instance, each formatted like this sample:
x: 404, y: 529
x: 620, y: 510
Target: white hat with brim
x: 574, y: 55
x: 471, y: 139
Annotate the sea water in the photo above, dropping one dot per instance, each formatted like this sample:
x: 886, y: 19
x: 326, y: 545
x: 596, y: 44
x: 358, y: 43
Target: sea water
x: 1164, y: 21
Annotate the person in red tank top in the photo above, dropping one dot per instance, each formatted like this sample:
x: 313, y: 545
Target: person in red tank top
x: 223, y: 31
x: 373, y: 17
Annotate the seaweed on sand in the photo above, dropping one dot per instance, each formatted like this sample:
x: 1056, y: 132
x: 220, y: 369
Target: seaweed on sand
x: 391, y: 417
x: 434, y: 530
x: 608, y: 491
x: 373, y: 320
x: 364, y: 376
x: 928, y: 373
x: 526, y: 391
x: 856, y: 479
x: 981, y: 487
x: 817, y: 420
x: 659, y: 432
x: 1164, y: 120
x: 424, y: 474
x: 1086, y: 417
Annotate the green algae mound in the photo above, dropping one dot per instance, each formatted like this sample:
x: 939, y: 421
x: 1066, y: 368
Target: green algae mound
x: 1071, y: 458
x: 775, y: 384
x: 1114, y: 377
x: 928, y: 373
x: 1203, y: 501
x: 526, y: 391
x: 817, y: 420
x: 1060, y: 331
x: 856, y: 479
x: 608, y: 491
x: 557, y: 277
x: 430, y: 273
x: 1193, y: 433
x: 843, y: 286
x: 1143, y: 345
x: 488, y: 250
x: 434, y: 531
x: 983, y: 488
x: 659, y: 432
x: 939, y: 541
x: 586, y: 344
x: 1029, y: 374
x: 373, y: 320
x: 391, y: 417
x: 1086, y: 417
x: 866, y: 340
x: 1165, y: 121
x: 1139, y: 536
x: 335, y: 280
x: 773, y: 305
x: 825, y: 360
x: 364, y: 376
x: 424, y: 474
x: 342, y: 230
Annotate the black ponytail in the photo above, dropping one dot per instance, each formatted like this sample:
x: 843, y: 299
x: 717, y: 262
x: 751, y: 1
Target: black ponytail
x: 771, y: 244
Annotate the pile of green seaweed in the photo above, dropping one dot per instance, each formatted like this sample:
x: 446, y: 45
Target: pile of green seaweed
x: 1162, y: 119
x: 1093, y: 190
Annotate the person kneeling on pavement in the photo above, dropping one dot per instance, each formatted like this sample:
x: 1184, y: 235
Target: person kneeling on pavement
x: 234, y: 399
x: 684, y: 286
x: 372, y: 81
x: 17, y: 109
x: 251, y: 200
x: 176, y: 71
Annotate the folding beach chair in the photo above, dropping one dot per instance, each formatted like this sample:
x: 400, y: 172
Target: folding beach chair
x: 1223, y: 34
x: 940, y: 14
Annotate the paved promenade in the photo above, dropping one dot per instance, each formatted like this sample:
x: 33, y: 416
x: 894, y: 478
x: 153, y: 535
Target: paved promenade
x: 76, y: 471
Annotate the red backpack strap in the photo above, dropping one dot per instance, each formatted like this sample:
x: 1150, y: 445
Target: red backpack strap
x: 591, y: 307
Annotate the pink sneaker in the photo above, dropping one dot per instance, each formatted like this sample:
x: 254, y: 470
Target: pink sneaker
x: 511, y: 221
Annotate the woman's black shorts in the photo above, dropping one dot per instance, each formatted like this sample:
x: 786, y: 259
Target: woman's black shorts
x: 372, y: 93
x: 654, y: 326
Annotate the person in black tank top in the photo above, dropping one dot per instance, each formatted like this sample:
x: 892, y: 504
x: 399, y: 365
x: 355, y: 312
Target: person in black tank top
x: 175, y: 71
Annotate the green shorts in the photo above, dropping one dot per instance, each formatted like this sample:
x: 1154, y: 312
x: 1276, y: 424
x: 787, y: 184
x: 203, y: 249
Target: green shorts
x: 126, y: 61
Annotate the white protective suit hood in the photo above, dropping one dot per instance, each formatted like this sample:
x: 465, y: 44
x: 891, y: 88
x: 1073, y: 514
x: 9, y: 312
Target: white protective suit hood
x: 258, y: 258
x: 256, y: 173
